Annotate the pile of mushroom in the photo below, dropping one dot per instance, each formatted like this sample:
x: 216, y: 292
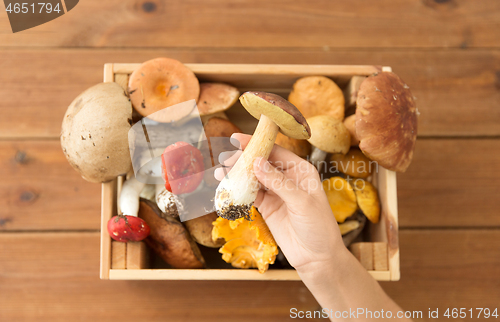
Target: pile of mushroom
x: 377, y: 125
x: 313, y: 123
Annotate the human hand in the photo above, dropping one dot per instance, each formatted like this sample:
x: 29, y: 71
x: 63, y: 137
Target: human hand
x: 294, y: 206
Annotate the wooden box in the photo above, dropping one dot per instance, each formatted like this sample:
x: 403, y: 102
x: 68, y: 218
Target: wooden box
x: 381, y: 240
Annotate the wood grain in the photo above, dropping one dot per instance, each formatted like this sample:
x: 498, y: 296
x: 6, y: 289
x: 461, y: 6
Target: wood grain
x: 118, y: 255
x: 448, y: 88
x: 55, y: 277
x: 265, y: 24
x: 39, y: 190
x: 451, y: 183
x: 446, y: 269
x: 440, y: 268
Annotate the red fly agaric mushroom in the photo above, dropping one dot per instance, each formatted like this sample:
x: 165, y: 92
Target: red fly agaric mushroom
x: 160, y: 83
x: 215, y: 98
x: 182, y: 168
x: 386, y: 121
x: 127, y: 228
x: 236, y: 193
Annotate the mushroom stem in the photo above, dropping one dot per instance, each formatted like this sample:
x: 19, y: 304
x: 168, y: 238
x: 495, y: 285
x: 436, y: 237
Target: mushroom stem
x: 236, y: 193
x: 129, y: 197
x: 168, y: 202
x: 317, y: 157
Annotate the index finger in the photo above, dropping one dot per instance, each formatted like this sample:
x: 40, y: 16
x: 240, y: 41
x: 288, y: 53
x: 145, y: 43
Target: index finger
x: 280, y: 157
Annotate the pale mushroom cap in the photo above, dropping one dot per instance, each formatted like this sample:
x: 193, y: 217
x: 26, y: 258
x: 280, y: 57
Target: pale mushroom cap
x: 329, y: 134
x: 318, y: 95
x: 160, y: 83
x: 94, y: 135
x: 283, y: 113
x: 386, y: 121
x: 216, y: 97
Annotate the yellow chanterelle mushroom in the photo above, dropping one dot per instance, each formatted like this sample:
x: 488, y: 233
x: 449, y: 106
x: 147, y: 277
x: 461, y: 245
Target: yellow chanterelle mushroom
x: 341, y: 198
x: 368, y: 201
x: 249, y: 243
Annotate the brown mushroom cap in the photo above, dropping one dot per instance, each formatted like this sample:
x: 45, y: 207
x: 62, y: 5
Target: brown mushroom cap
x: 350, y: 124
x: 302, y: 148
x: 318, y: 95
x: 386, y: 121
x: 160, y: 83
x: 216, y: 97
x: 215, y: 127
x: 282, y: 112
x: 329, y: 134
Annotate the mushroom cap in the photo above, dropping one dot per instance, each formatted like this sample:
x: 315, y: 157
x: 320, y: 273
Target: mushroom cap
x: 288, y: 118
x: 216, y: 97
x: 348, y: 226
x: 318, y: 95
x: 329, y: 134
x: 160, y: 83
x: 341, y: 198
x: 302, y: 148
x: 386, y: 121
x: 350, y: 124
x: 94, y: 135
x: 367, y: 197
x: 215, y: 127
x: 354, y: 163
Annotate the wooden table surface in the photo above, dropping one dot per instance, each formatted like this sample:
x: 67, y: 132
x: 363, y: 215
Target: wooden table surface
x: 447, y: 51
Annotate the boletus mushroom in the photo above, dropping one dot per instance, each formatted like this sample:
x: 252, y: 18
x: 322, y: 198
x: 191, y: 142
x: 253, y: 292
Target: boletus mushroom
x: 302, y: 148
x: 215, y: 98
x: 350, y: 125
x: 236, y: 193
x: 94, y: 135
x: 318, y: 95
x: 328, y: 135
x: 386, y: 121
x: 215, y: 127
x: 160, y: 83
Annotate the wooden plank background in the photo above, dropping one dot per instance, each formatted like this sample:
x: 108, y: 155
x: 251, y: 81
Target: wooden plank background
x: 447, y: 51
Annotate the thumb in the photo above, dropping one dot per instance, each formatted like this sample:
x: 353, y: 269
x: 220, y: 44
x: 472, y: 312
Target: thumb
x: 275, y: 180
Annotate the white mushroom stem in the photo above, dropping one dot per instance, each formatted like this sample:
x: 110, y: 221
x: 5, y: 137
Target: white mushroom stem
x: 129, y: 197
x: 237, y: 191
x: 148, y: 192
x: 168, y: 202
x: 317, y: 157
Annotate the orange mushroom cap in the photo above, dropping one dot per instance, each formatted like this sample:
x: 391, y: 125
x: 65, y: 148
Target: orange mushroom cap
x: 160, y: 83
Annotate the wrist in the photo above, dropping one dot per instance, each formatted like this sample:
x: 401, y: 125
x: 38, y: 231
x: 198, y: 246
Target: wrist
x: 333, y: 266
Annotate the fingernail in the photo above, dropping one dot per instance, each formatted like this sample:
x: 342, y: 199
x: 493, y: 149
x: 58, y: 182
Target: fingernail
x: 224, y: 156
x: 262, y: 165
x: 235, y: 142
